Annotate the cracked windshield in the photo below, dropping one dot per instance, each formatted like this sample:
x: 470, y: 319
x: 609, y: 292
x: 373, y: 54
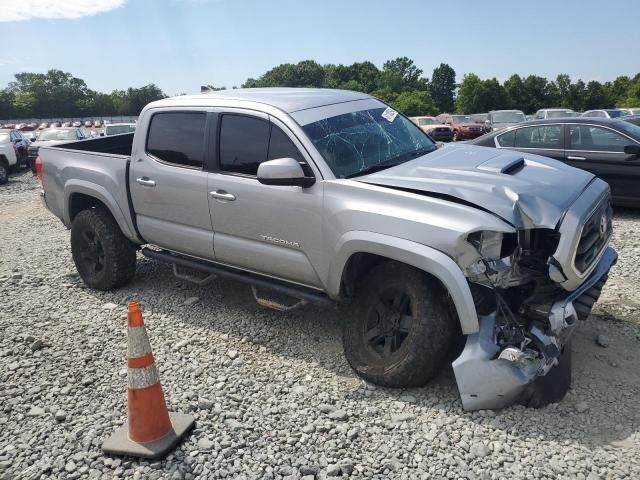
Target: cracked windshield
x: 359, y: 143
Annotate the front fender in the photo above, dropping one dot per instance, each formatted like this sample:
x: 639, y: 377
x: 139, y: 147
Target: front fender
x: 415, y: 254
x: 100, y: 193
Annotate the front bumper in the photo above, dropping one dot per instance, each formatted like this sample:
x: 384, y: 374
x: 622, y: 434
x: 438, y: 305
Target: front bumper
x: 488, y: 378
x: 469, y: 134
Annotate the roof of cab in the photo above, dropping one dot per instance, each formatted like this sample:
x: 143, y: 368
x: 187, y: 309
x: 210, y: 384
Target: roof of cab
x: 288, y: 99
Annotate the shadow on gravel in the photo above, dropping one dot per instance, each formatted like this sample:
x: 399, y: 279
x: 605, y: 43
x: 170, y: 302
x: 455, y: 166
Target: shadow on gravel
x: 605, y: 381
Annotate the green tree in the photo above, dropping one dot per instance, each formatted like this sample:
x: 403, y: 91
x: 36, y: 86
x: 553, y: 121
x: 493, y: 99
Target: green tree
x: 443, y: 87
x: 596, y: 96
x: 470, y: 94
x: 414, y: 102
x: 306, y: 73
x: 514, y: 91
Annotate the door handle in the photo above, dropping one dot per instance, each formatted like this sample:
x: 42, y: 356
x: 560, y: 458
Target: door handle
x: 147, y: 182
x: 575, y: 158
x: 223, y: 195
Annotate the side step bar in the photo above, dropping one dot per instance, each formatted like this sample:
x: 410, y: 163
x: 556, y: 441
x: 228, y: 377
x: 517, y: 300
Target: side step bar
x: 252, y: 279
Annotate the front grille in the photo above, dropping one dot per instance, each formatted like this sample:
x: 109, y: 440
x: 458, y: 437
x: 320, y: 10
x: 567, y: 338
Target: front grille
x: 442, y: 130
x: 595, y: 233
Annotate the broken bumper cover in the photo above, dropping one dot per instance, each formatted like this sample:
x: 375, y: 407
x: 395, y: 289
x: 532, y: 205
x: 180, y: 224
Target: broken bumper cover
x: 489, y: 378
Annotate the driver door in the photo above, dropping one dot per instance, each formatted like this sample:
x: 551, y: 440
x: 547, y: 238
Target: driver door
x: 272, y: 230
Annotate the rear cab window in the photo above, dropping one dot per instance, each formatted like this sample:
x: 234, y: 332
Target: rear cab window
x: 177, y: 138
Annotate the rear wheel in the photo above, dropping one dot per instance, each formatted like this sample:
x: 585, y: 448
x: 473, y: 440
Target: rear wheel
x: 400, y: 330
x: 104, y: 257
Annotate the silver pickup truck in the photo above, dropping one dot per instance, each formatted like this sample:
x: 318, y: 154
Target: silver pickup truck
x: 486, y: 256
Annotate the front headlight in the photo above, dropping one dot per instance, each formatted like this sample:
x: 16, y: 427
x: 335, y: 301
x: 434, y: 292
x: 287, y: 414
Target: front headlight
x: 487, y: 243
x: 493, y: 245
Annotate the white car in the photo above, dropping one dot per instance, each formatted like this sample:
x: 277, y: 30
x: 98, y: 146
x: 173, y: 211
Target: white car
x: 8, y: 157
x: 631, y: 111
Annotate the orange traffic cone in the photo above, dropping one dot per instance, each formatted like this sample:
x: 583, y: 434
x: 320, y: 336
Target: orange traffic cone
x: 151, y: 431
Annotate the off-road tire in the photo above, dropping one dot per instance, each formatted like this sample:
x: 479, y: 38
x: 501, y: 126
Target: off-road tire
x: 431, y: 327
x: 117, y: 253
x: 4, y: 173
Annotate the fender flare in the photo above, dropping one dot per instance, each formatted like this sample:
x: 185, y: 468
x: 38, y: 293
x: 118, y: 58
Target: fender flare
x: 99, y: 193
x: 415, y: 254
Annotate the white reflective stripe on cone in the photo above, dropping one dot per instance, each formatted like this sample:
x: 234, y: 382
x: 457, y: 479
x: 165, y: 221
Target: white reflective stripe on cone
x: 142, y: 377
x: 138, y: 342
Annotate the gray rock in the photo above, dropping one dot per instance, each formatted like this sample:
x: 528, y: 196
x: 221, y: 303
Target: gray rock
x: 60, y: 416
x: 402, y: 417
x: 110, y: 306
x: 205, y: 404
x: 191, y: 301
x: 603, y: 340
x: 205, y: 444
x: 309, y: 470
x: 338, y: 415
x: 325, y: 408
x: 70, y: 467
x: 353, y: 433
x: 333, y: 470
x: 36, y: 345
x: 308, y: 429
x: 16, y: 276
x: 593, y: 476
x: 347, y: 466
x: 232, y: 354
x: 479, y: 450
x: 581, y: 407
x: 35, y: 412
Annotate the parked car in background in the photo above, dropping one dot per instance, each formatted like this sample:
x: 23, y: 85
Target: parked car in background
x: 53, y: 136
x: 76, y: 124
x: 43, y: 125
x: 545, y: 113
x: 481, y: 119
x: 608, y: 148
x: 66, y: 124
x: 97, y: 124
x: 11, y: 153
x: 30, y: 136
x: 631, y: 111
x: 499, y: 119
x: 432, y: 127
x: 635, y: 119
x: 463, y: 126
x: 55, y: 125
x: 117, y: 129
x: 605, y: 113
x: 88, y: 123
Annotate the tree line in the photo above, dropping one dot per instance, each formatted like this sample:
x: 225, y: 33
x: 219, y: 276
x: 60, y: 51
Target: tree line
x: 60, y: 94
x: 399, y: 82
x: 402, y: 84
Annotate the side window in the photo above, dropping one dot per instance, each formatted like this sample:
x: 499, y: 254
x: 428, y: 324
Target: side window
x: 177, y: 137
x: 281, y: 146
x: 506, y: 139
x: 544, y: 136
x: 586, y: 137
x: 244, y: 142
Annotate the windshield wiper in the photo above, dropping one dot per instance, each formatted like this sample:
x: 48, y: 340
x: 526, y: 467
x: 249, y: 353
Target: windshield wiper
x: 405, y: 157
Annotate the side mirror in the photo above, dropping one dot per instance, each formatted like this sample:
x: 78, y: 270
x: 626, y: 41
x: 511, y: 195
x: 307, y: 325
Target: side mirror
x: 632, y: 150
x: 283, y: 172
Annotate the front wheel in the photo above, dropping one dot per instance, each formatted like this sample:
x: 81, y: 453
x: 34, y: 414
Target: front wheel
x: 401, y: 329
x: 455, y: 136
x: 104, y: 257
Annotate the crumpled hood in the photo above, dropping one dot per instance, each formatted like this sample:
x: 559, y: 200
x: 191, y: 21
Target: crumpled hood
x: 528, y: 191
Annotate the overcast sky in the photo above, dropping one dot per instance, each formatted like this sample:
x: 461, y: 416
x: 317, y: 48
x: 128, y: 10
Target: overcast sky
x: 181, y: 44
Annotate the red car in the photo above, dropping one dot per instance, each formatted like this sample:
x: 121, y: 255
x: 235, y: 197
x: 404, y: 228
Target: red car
x: 464, y: 128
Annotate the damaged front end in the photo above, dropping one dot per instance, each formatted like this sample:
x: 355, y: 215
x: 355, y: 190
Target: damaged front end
x: 530, y: 288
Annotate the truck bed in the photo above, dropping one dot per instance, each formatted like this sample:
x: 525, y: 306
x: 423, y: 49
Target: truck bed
x: 97, y: 168
x: 115, y: 144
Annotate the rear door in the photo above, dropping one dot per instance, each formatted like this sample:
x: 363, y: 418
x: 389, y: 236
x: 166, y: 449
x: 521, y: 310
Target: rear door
x: 546, y: 140
x: 600, y: 150
x: 273, y: 230
x: 168, y: 183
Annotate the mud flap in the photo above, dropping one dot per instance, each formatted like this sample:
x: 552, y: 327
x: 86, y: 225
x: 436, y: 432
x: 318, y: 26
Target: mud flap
x: 553, y: 386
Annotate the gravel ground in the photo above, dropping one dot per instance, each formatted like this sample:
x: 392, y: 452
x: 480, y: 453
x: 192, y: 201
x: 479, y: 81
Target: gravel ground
x: 272, y: 394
